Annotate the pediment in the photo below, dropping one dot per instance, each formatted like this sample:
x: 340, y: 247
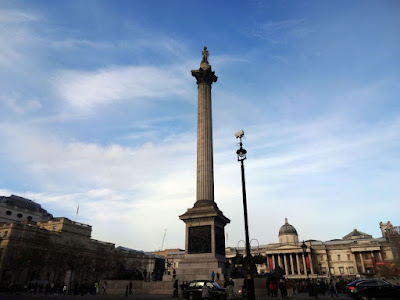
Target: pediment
x: 293, y: 248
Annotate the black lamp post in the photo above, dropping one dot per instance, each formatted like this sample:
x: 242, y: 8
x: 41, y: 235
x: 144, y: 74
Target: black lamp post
x: 304, y: 247
x: 241, y: 153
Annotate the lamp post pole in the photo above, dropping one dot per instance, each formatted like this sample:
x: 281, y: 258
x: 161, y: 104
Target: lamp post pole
x: 304, y: 247
x: 241, y: 153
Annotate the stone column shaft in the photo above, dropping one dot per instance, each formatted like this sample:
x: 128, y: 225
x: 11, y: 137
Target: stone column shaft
x: 273, y: 261
x: 304, y: 264
x: 298, y: 264
x: 286, y: 264
x: 291, y: 264
x: 362, y: 263
x: 205, y: 172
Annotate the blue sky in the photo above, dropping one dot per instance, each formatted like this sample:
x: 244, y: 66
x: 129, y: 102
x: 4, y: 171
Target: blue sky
x: 98, y: 108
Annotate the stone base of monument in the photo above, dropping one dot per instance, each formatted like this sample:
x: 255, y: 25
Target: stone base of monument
x: 200, y: 267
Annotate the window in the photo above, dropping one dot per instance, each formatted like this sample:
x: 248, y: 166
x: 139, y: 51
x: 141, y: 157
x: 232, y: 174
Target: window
x: 8, y: 212
x: 29, y: 218
x: 329, y: 258
x: 338, y: 257
x: 382, y: 283
x: 368, y: 283
x: 19, y: 215
x: 341, y: 270
x: 348, y: 256
x: 5, y: 234
x: 351, y: 270
x: 332, y: 271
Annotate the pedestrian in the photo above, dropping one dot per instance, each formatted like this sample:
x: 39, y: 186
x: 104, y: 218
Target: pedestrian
x: 229, y: 289
x: 130, y: 287
x: 65, y: 289
x: 289, y: 288
x: 212, y: 276
x: 96, y: 287
x: 126, y: 291
x: 282, y: 288
x: 105, y: 288
x: 205, y: 292
x: 273, y: 288
x: 144, y: 275
x: 217, y: 276
x: 176, y: 286
x: 173, y: 274
x: 332, y: 289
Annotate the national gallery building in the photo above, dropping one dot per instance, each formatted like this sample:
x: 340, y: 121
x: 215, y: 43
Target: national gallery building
x: 356, y: 254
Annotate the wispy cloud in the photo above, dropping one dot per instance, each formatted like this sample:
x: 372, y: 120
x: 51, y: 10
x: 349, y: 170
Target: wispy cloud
x: 85, y: 90
x: 282, y: 31
x: 21, y: 105
x: 17, y: 16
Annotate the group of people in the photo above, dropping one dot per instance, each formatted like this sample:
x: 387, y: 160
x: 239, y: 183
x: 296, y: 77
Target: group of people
x: 286, y: 288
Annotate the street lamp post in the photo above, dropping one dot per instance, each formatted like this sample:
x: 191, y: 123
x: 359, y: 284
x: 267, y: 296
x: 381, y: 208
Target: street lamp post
x: 241, y: 154
x: 304, y: 247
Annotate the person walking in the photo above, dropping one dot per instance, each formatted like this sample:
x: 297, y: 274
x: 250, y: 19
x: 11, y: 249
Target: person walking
x: 332, y: 289
x: 282, y: 288
x: 105, y: 288
x: 176, y: 287
x: 289, y: 288
x: 205, y: 292
x: 212, y: 276
x: 273, y: 288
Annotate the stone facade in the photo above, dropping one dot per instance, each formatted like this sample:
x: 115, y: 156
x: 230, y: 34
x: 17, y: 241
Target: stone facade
x: 356, y: 254
x: 62, y: 251
x: 16, y: 209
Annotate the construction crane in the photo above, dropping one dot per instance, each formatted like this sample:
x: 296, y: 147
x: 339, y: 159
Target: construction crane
x: 162, y: 244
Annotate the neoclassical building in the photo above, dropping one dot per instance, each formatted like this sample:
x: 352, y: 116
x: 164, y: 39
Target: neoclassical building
x: 356, y: 254
x: 34, y: 245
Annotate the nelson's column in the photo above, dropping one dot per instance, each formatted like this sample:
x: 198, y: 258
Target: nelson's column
x: 205, y: 235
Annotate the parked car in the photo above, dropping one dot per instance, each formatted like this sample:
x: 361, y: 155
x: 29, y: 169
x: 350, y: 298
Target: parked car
x: 193, y: 290
x: 366, y: 289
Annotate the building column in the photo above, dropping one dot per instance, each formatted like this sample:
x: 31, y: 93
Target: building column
x: 286, y: 265
x: 304, y: 264
x: 362, y: 263
x: 280, y: 261
x: 355, y: 262
x: 298, y: 264
x: 311, y: 265
x: 291, y: 264
x: 380, y: 256
x: 273, y: 261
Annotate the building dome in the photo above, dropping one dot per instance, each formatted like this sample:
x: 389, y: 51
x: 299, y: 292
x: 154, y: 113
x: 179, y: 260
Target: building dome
x: 287, y: 233
x: 287, y: 229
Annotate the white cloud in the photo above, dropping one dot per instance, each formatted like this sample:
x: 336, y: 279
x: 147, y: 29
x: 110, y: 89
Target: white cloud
x: 17, y: 16
x: 144, y: 189
x: 85, y: 90
x: 20, y: 105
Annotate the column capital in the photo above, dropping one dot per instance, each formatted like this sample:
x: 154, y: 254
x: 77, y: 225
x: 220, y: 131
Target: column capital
x: 204, y: 75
